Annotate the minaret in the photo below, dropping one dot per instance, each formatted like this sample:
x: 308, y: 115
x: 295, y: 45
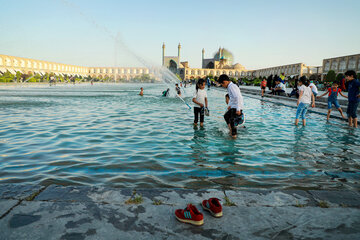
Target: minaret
x: 163, y: 54
x: 219, y: 53
x: 179, y: 47
x: 203, y: 53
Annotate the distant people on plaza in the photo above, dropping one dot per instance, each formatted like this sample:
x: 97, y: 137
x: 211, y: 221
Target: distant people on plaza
x: 234, y: 114
x: 353, y: 97
x: 269, y: 82
x: 166, y: 92
x: 263, y: 86
x: 295, y: 90
x: 273, y: 84
x: 92, y: 82
x: 306, y: 97
x: 279, y: 88
x: 181, y: 84
x: 208, y: 83
x: 177, y: 89
x: 343, y: 84
x: 333, y: 92
x: 282, y: 78
x: 313, y: 88
x: 200, y: 102
x: 141, y: 91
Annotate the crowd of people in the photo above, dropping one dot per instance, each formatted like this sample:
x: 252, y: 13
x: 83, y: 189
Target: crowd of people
x: 306, y: 92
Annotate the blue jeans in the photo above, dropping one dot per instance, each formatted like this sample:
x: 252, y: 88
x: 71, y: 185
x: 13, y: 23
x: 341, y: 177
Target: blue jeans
x: 301, y: 110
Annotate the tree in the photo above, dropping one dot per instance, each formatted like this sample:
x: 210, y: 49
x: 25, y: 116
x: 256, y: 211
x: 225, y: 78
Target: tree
x: 330, y: 77
x: 7, y: 77
x: 358, y: 75
x: 18, y: 76
x: 339, y: 77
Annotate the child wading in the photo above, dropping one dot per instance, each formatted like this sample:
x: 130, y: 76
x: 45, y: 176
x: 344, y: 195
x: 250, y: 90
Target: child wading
x: 177, y: 89
x: 305, y: 98
x: 235, y: 105
x: 200, y: 102
x: 353, y: 97
x: 332, y: 99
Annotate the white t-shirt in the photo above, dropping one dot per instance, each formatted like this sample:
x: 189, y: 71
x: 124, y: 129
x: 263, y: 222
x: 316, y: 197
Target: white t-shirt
x: 313, y: 88
x: 281, y: 85
x: 200, y: 96
x: 306, y: 97
x: 236, y: 99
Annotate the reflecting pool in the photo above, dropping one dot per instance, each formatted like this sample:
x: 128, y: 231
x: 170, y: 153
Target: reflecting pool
x: 109, y: 135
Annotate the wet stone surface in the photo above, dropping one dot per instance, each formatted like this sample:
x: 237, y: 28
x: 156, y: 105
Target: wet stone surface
x: 102, y: 213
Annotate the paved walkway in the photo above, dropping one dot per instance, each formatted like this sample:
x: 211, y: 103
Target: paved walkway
x: 57, y: 212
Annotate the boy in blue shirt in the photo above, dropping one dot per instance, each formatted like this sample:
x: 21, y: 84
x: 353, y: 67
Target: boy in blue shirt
x: 353, y: 96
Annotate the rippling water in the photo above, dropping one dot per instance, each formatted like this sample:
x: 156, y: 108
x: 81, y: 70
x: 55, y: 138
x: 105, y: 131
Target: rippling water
x: 108, y: 135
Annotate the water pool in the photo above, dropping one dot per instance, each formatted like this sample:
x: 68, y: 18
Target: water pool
x: 108, y: 135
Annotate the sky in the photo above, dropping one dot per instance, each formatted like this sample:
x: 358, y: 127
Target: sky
x: 259, y: 33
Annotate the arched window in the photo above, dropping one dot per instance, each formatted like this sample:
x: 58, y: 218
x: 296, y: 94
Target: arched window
x: 173, y: 66
x: 210, y: 65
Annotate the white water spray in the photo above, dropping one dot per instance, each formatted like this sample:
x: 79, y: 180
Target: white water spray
x: 165, y: 74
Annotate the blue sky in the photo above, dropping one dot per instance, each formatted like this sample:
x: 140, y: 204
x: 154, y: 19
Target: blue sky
x: 259, y: 33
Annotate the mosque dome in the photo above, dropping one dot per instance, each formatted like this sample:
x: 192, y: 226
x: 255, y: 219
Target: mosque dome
x: 225, y: 54
x: 237, y: 66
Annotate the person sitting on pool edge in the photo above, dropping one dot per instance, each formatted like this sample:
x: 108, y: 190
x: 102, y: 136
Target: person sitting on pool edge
x: 279, y: 88
x: 236, y: 103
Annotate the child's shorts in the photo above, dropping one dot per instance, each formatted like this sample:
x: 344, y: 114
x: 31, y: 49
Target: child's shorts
x: 335, y: 102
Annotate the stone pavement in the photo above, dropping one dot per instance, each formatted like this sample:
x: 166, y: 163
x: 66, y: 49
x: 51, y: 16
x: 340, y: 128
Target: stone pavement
x: 76, y: 212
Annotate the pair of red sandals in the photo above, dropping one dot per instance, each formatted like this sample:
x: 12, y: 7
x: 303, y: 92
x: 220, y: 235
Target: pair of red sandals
x: 193, y: 216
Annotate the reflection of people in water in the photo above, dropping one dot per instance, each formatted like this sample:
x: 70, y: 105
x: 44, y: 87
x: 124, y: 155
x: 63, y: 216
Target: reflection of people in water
x: 141, y: 91
x: 166, y: 92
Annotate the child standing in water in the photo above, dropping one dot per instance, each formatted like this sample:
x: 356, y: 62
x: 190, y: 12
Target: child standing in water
x: 332, y: 99
x: 177, y: 89
x: 141, y: 91
x: 353, y: 97
x: 200, y: 102
x: 305, y: 97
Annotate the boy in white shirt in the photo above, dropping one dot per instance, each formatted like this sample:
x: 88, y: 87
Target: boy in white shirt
x: 235, y: 105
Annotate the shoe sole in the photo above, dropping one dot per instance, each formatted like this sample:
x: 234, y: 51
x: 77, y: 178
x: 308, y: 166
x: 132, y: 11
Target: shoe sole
x: 197, y: 223
x: 212, y: 213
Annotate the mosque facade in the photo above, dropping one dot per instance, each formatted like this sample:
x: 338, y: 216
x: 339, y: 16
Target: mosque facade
x: 220, y: 63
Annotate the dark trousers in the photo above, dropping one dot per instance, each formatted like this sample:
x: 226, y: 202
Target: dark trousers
x: 198, y: 111
x: 278, y: 92
x: 229, y: 118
